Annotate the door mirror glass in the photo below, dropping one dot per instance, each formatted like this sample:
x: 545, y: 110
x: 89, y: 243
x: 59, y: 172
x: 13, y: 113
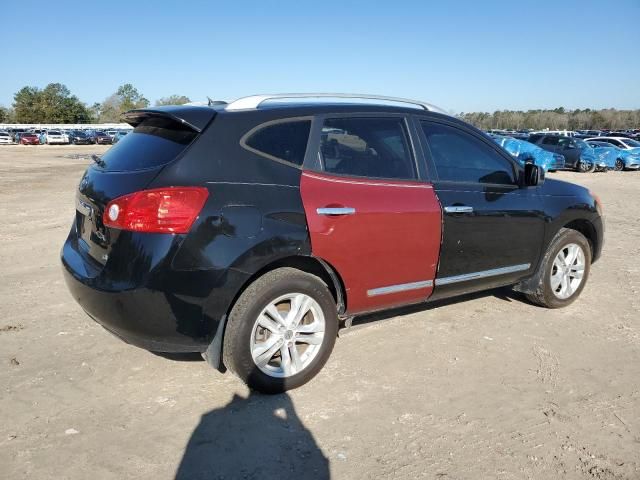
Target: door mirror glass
x: 533, y: 175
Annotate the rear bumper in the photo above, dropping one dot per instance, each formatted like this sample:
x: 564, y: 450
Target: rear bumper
x: 137, y: 297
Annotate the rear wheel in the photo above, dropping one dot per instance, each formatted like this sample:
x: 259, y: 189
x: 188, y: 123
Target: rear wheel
x: 281, y: 331
x: 619, y: 165
x: 564, y: 270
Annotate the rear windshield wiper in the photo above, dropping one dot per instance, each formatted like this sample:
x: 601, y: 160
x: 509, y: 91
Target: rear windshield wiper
x: 98, y: 160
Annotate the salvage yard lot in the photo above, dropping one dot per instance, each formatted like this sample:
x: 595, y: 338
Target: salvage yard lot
x: 487, y: 386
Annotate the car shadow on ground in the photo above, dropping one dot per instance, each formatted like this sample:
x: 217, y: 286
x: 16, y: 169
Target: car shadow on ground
x: 257, y: 437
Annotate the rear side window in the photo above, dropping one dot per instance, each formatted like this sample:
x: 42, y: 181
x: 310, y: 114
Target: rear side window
x: 550, y: 141
x: 284, y: 141
x: 154, y: 142
x: 366, y: 147
x: 461, y: 157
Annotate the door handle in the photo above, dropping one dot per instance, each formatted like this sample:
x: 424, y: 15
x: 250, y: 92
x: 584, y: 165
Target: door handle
x: 458, y: 209
x: 336, y: 211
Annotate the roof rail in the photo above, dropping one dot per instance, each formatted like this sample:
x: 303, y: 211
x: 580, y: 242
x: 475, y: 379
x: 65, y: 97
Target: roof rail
x: 254, y: 101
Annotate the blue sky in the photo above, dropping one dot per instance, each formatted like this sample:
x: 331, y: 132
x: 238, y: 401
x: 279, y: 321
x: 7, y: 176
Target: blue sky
x: 460, y: 55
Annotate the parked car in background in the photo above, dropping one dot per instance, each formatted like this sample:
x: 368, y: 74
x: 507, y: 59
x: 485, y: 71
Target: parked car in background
x: 5, y: 138
x: 29, y: 138
x: 624, y: 159
x: 255, y: 228
x: 14, y: 132
x: 577, y: 154
x: 526, y: 152
x: 101, y: 138
x: 78, y: 137
x: 55, y: 137
x: 606, y: 156
x: 620, y: 142
x: 111, y: 133
x: 119, y: 136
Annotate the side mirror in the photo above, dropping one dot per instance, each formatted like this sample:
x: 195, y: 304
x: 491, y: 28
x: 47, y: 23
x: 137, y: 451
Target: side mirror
x: 533, y: 175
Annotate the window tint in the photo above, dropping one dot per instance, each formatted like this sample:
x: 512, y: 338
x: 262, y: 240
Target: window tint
x: 154, y: 142
x: 550, y: 141
x: 460, y: 157
x: 566, y: 142
x: 285, y: 141
x: 366, y: 147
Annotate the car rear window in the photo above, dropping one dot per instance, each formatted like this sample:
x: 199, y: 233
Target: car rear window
x: 156, y: 141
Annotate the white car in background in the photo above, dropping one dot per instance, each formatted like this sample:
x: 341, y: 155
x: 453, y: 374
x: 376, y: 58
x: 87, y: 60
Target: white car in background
x: 620, y: 142
x: 55, y: 136
x: 5, y: 138
x: 111, y: 133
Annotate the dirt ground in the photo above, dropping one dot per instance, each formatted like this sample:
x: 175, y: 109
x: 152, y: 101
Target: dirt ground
x: 487, y: 386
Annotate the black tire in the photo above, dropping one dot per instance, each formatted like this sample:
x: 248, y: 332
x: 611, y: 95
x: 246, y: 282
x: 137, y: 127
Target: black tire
x: 236, y: 347
x: 619, y: 165
x: 585, y: 167
x: 543, y: 294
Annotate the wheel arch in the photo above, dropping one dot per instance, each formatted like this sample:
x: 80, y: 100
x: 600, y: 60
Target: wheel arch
x: 309, y: 264
x: 586, y: 228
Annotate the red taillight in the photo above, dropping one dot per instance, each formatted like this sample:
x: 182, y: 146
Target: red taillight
x: 161, y: 210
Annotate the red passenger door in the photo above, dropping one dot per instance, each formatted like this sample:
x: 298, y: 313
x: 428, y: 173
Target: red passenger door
x: 368, y: 214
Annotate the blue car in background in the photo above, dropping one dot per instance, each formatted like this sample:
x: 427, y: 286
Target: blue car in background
x: 525, y: 152
x: 606, y: 155
x: 622, y: 159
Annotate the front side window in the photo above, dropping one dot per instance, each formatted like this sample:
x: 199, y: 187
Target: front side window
x: 283, y: 141
x: 461, y: 157
x: 367, y: 147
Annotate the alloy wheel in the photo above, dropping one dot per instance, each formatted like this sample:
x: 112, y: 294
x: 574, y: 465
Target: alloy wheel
x: 287, y: 335
x: 567, y: 271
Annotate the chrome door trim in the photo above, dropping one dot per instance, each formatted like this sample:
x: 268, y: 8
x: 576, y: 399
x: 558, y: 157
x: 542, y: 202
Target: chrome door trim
x: 336, y: 211
x: 403, y: 287
x: 460, y: 209
x: 483, y: 274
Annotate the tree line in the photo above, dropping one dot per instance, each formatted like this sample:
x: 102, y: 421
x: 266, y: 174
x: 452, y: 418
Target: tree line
x: 556, y: 119
x: 55, y: 104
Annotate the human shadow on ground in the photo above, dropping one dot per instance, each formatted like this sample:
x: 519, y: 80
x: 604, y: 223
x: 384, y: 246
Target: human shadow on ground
x: 257, y: 437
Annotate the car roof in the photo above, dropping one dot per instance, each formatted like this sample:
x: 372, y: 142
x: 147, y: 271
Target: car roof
x: 610, y: 138
x: 197, y: 116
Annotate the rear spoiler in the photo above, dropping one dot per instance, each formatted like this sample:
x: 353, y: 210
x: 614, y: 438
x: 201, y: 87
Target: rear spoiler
x: 194, y: 117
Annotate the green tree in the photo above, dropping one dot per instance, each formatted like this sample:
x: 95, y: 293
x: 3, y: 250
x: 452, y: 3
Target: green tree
x: 53, y: 104
x: 126, y: 98
x: 130, y: 98
x: 26, y: 106
x: 173, y: 100
x: 4, y: 115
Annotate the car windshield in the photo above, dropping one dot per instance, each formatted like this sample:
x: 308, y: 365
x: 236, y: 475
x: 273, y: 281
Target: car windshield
x: 631, y: 143
x: 54, y: 132
x: 101, y: 133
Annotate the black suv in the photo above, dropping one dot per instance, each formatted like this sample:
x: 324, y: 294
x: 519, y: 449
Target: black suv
x: 249, y: 231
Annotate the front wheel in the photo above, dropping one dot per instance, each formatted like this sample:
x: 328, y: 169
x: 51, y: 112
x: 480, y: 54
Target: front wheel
x: 619, y: 165
x: 586, y: 167
x: 281, y: 331
x: 564, y: 270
